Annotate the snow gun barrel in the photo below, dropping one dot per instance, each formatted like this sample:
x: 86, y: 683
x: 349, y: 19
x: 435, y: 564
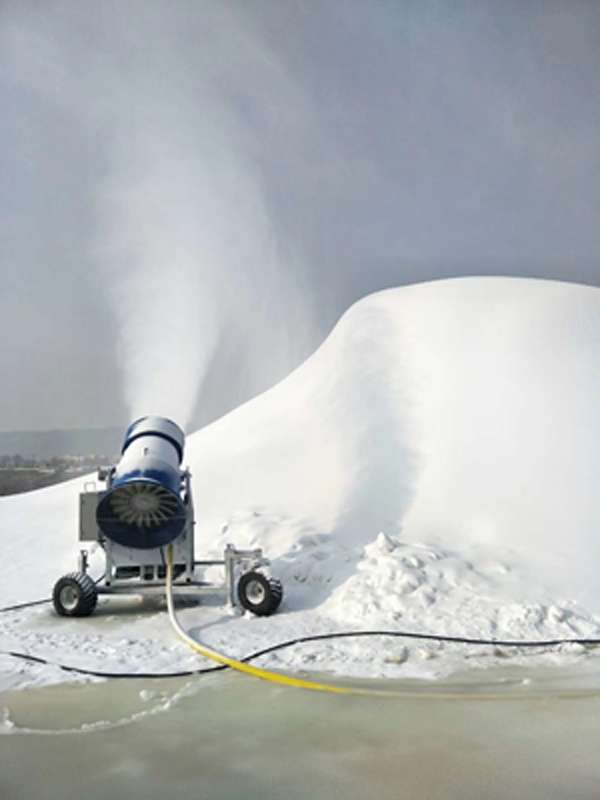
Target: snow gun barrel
x: 143, y: 506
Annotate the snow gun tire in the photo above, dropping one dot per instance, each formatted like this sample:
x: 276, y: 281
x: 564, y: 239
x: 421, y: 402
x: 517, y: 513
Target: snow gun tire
x: 75, y: 595
x: 259, y: 594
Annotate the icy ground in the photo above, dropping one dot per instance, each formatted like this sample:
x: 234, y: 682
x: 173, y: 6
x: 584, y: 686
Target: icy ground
x: 431, y: 468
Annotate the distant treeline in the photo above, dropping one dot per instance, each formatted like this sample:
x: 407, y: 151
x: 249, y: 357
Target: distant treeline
x: 33, y: 459
x: 43, y: 445
x: 56, y: 463
x: 18, y: 474
x: 16, y: 481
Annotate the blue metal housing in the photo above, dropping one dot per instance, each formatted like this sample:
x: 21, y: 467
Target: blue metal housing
x: 143, y: 506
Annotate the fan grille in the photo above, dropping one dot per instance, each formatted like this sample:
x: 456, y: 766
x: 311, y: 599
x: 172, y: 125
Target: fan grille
x: 146, y: 505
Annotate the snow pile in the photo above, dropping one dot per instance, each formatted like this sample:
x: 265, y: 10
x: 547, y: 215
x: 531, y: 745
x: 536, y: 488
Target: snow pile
x: 430, y: 468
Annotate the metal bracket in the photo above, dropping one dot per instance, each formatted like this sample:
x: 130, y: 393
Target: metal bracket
x: 232, y: 558
x: 82, y: 561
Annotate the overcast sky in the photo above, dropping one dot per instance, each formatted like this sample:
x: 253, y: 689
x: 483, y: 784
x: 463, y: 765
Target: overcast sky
x: 211, y: 184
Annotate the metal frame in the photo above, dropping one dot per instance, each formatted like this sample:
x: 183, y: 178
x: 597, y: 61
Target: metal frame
x: 149, y: 566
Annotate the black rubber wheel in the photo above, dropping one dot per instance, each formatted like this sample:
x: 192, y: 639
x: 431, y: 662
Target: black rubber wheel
x: 259, y: 594
x: 75, y: 595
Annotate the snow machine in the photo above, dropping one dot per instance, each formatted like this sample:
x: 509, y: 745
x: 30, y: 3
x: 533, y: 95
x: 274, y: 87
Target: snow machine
x: 146, y: 506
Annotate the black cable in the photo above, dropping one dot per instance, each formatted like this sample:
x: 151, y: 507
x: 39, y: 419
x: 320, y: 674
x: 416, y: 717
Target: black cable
x: 301, y: 640
x: 100, y: 674
x: 95, y: 673
x: 26, y: 605
x: 432, y: 637
x: 19, y: 606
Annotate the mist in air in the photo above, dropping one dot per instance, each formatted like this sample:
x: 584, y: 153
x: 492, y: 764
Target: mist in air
x: 192, y: 261
x: 192, y: 193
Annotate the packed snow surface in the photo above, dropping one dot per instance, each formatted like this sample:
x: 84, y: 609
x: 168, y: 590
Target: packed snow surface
x: 431, y: 468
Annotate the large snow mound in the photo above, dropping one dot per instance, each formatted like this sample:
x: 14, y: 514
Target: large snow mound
x: 465, y: 413
x: 431, y: 467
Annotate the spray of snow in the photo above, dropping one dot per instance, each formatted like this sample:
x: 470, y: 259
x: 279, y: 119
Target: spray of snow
x: 193, y: 266
x: 191, y: 258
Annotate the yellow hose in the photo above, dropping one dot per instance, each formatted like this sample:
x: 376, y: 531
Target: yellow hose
x: 290, y: 680
x: 267, y: 675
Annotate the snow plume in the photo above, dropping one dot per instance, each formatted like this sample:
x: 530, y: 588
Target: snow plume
x: 193, y: 266
x: 147, y: 154
x: 160, y: 281
x: 179, y: 223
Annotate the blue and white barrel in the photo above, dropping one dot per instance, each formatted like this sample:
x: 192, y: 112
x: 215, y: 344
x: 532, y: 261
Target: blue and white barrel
x: 144, y: 507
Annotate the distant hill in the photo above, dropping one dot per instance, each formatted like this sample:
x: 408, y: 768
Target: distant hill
x: 47, y: 444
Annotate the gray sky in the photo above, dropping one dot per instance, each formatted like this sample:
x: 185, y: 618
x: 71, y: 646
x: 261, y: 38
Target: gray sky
x: 211, y: 184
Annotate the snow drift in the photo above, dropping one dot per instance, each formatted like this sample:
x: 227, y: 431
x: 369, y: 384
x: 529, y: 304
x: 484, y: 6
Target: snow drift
x: 431, y: 467
x: 465, y: 413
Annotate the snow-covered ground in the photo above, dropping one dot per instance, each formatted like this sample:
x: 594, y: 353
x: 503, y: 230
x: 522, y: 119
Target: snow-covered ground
x: 431, y: 468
